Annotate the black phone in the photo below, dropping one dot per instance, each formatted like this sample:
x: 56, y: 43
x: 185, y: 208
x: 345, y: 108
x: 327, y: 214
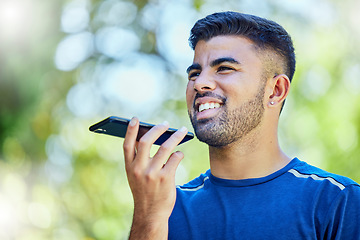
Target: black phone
x: 117, y: 126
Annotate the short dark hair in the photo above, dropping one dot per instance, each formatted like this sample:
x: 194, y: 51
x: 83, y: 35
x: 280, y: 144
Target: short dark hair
x: 265, y: 34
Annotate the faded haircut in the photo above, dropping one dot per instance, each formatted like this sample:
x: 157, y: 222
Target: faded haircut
x: 266, y: 35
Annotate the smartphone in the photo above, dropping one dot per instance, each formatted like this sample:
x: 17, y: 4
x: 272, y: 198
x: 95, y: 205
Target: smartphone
x: 117, y: 126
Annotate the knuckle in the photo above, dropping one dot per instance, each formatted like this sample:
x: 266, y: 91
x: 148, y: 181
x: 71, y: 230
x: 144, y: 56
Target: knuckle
x: 165, y: 176
x: 127, y: 146
x: 142, y: 141
x: 165, y: 147
x: 137, y: 172
x: 150, y: 176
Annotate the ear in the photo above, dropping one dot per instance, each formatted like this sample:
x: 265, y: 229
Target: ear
x: 279, y: 87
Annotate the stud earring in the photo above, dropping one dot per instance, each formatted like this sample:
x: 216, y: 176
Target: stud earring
x: 272, y: 103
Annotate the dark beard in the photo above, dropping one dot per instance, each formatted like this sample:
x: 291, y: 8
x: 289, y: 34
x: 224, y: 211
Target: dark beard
x: 230, y: 126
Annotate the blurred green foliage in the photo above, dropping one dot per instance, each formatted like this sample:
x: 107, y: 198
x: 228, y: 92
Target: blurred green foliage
x: 59, y: 181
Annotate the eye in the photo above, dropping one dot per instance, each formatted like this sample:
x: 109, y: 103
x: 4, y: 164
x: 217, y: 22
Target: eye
x: 193, y: 75
x: 225, y: 69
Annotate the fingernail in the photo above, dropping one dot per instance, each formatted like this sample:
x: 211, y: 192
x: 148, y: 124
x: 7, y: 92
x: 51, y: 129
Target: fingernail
x: 165, y: 123
x: 183, y: 129
x: 133, y: 121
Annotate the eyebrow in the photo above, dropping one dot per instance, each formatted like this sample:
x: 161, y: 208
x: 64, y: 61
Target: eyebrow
x: 197, y: 66
x: 222, y: 60
x: 193, y: 67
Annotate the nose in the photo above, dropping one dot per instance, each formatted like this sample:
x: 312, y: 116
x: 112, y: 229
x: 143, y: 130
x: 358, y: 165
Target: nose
x: 204, y: 82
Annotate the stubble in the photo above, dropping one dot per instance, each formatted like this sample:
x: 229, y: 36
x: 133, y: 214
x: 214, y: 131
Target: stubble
x: 230, y: 125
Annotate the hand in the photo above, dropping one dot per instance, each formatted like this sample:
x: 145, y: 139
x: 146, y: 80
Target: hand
x: 151, y: 179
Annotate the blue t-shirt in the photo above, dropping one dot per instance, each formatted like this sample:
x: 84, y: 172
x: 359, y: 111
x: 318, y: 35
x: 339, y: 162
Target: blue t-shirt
x: 297, y: 202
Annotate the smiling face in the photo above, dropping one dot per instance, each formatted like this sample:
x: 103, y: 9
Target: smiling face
x: 225, y: 91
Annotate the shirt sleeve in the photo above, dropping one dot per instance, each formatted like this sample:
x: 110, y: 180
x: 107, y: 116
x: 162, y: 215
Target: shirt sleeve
x: 343, y: 218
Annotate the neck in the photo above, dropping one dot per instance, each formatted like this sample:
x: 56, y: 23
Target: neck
x: 253, y: 156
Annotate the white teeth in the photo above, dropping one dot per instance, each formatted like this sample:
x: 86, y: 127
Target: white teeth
x: 206, y: 106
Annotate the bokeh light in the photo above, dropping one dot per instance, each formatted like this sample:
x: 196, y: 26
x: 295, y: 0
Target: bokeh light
x: 65, y: 65
x: 73, y: 50
x: 14, y: 18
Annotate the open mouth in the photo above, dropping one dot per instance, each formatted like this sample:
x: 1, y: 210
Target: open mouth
x: 209, y: 105
x: 207, y: 108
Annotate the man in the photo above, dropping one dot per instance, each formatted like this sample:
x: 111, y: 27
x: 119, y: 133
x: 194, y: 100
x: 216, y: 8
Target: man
x: 238, y: 82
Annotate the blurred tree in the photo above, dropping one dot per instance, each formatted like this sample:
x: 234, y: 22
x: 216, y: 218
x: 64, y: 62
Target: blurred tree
x: 118, y: 57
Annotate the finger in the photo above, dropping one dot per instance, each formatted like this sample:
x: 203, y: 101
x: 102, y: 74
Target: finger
x: 146, y: 141
x: 130, y: 140
x: 168, y: 147
x: 173, y: 162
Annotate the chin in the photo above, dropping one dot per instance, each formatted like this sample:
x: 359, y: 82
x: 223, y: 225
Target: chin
x: 212, y: 132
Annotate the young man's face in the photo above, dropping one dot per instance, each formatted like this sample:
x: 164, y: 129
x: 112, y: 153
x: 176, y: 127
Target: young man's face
x: 225, y: 91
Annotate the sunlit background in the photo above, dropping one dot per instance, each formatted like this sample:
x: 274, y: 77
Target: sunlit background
x: 67, y: 64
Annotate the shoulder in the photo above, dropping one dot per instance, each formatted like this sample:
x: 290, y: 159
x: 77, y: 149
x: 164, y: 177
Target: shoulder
x: 334, y: 199
x: 314, y: 175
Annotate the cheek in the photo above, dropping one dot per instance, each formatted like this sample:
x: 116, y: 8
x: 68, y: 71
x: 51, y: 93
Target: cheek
x: 190, y: 93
